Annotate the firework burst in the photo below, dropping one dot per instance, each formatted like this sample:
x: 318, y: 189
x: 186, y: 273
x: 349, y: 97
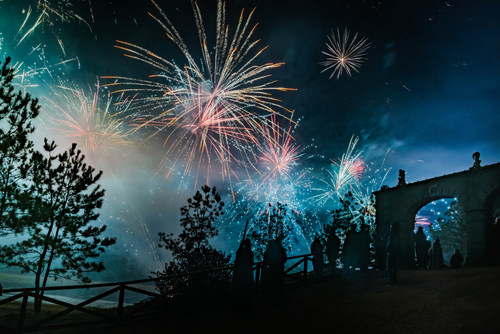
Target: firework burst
x: 344, y: 175
x: 92, y: 119
x: 213, y: 111
x: 344, y: 54
x: 279, y: 152
x: 282, y: 180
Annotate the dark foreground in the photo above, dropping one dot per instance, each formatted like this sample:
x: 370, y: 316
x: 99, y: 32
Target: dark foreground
x: 447, y: 301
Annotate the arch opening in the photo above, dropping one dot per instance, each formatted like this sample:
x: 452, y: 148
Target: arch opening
x: 444, y: 218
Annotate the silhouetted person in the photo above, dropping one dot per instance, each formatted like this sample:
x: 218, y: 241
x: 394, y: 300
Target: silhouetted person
x: 421, y: 248
x: 392, y: 253
x: 496, y: 241
x: 380, y: 245
x: 332, y: 251
x: 364, y: 240
x: 456, y: 259
x: 273, y: 273
x: 436, y: 255
x: 317, y: 254
x: 243, y: 283
x: 428, y: 246
x: 349, y: 249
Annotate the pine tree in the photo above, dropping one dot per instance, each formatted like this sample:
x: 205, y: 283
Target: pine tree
x: 191, y: 250
x: 17, y: 111
x: 57, y: 238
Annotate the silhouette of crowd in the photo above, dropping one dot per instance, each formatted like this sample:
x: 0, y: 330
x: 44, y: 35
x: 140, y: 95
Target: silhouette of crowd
x: 353, y: 254
x: 430, y: 255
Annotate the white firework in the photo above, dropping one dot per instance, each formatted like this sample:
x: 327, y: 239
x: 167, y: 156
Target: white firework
x: 344, y: 54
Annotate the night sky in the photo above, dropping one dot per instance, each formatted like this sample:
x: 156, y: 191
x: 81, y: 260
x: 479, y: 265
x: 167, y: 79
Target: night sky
x: 426, y: 97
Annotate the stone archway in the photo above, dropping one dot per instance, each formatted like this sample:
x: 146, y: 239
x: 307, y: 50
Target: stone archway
x: 476, y: 189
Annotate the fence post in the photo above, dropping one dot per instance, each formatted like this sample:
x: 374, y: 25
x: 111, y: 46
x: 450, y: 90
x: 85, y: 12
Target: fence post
x: 306, y: 260
x: 22, y: 315
x: 121, y: 298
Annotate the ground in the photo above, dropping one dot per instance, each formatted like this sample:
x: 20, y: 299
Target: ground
x: 446, y: 301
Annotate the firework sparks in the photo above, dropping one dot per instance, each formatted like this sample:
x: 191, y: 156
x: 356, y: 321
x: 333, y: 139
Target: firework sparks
x: 279, y: 152
x: 345, y: 174
x: 278, y: 166
x: 46, y: 15
x: 344, y: 53
x: 94, y: 120
x: 282, y: 179
x: 374, y: 178
x: 357, y: 193
x: 27, y: 77
x: 208, y: 111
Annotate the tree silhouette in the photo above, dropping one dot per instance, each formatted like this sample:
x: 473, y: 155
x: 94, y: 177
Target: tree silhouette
x: 275, y: 223
x: 350, y: 212
x: 16, y: 114
x: 191, y: 251
x: 56, y: 238
x: 451, y: 230
x: 45, y: 201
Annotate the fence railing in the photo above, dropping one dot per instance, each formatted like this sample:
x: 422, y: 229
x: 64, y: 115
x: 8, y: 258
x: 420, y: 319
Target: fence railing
x: 52, y: 321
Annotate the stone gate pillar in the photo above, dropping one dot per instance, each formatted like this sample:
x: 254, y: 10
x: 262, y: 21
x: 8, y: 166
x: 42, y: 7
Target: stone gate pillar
x: 476, y: 227
x: 407, y: 255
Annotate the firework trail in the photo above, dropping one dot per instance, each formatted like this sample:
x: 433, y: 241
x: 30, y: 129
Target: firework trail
x: 213, y: 111
x: 24, y: 30
x: 27, y: 77
x: 47, y: 14
x: 345, y: 175
x: 344, y: 53
x: 93, y: 119
x: 356, y: 189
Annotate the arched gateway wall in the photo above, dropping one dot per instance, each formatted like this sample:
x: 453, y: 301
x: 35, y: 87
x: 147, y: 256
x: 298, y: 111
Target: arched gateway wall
x: 474, y: 189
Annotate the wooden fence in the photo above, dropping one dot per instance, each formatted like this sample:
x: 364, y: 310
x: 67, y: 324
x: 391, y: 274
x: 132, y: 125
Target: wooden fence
x: 121, y: 312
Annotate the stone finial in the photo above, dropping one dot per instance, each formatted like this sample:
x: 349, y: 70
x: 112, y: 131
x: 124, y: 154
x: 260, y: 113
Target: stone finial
x: 477, y: 162
x: 402, y: 177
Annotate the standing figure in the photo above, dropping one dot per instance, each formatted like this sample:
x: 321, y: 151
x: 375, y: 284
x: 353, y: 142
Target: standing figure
x: 392, y: 253
x: 421, y: 248
x: 332, y: 251
x: 456, y: 259
x: 364, y: 241
x: 436, y: 255
x: 496, y: 241
x: 273, y: 274
x: 317, y: 253
x: 428, y: 246
x: 349, y: 249
x: 243, y: 282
